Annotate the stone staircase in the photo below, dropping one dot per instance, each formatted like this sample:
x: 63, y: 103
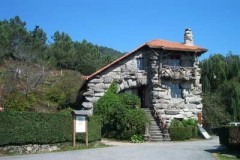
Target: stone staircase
x: 155, y: 133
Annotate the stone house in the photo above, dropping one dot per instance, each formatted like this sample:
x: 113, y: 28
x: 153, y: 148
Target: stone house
x: 165, y: 75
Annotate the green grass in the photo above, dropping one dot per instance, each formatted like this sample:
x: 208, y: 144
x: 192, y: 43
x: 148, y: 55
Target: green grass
x: 225, y: 157
x: 80, y: 146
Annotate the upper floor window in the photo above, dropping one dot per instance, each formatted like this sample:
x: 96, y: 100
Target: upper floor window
x: 140, y: 64
x: 173, y: 60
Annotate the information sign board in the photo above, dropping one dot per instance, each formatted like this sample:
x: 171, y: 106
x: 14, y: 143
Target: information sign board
x: 80, y: 124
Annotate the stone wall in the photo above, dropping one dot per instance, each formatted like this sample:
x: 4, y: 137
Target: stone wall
x: 29, y: 149
x: 126, y: 74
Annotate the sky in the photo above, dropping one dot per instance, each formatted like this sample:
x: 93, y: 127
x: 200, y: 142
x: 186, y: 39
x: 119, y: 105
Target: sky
x: 126, y: 24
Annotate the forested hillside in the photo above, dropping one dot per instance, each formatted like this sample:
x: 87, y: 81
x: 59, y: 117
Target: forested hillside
x: 221, y: 86
x: 38, y: 74
x: 17, y: 43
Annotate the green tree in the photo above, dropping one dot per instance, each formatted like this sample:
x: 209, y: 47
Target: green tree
x: 38, y: 44
x: 220, y: 79
x: 231, y: 98
x: 14, y: 38
x: 61, y: 50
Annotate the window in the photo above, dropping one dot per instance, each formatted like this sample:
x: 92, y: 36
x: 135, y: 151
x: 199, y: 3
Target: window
x: 140, y: 65
x: 176, y: 90
x: 173, y: 60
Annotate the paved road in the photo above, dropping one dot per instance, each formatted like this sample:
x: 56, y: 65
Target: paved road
x: 195, y: 150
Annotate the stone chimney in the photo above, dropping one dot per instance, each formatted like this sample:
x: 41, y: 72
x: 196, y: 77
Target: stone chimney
x: 188, y: 37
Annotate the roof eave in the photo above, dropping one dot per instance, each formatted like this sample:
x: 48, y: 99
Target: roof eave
x: 194, y: 50
x: 87, y: 78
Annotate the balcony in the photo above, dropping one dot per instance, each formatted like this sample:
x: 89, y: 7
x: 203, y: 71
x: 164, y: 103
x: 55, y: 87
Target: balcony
x: 177, y: 72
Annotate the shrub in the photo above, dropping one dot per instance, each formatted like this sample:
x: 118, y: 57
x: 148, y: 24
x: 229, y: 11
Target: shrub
x: 229, y: 136
x: 17, y: 102
x: 130, y: 100
x: 194, y: 132
x: 176, y: 123
x: 183, y: 127
x: 41, y: 128
x: 133, y: 122
x: 137, y: 138
x: 191, y: 123
x: 120, y: 114
x: 180, y: 133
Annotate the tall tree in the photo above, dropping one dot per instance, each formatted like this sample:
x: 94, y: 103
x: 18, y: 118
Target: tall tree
x: 37, y: 43
x: 221, y: 86
x: 62, y: 50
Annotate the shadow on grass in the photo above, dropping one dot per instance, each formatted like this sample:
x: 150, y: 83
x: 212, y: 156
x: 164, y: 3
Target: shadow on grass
x: 223, y: 151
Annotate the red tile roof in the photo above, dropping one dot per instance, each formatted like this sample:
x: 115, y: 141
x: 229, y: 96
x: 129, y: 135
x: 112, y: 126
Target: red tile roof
x: 168, y: 45
x: 162, y: 44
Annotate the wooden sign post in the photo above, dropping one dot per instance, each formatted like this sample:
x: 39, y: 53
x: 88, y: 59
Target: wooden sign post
x: 80, y: 124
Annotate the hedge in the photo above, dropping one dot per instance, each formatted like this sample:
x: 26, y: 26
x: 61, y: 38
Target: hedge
x: 194, y: 131
x: 18, y: 128
x: 229, y: 136
x: 183, y: 130
x: 180, y: 133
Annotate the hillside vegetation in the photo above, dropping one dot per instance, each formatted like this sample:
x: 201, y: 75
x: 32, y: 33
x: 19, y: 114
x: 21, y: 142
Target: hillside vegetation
x: 38, y: 75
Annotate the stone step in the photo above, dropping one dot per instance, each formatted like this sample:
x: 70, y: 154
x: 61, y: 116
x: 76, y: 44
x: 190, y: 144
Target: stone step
x: 154, y: 130
x: 156, y: 135
x: 156, y: 140
x: 154, y: 127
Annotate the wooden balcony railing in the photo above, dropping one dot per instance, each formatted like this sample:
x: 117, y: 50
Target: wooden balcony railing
x: 177, y: 72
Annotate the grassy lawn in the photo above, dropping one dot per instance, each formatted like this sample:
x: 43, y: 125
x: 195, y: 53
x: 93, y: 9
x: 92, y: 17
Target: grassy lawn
x: 80, y: 146
x: 225, y: 157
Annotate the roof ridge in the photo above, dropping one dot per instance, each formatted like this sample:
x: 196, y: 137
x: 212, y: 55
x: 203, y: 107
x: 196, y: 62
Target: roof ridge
x: 164, y: 40
x: 172, y: 42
